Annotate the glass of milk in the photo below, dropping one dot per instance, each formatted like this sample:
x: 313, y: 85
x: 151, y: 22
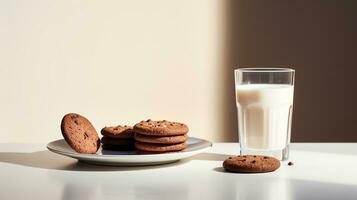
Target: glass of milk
x: 264, y: 98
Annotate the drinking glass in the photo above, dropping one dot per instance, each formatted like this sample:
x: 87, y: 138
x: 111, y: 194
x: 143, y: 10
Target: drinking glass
x: 264, y: 99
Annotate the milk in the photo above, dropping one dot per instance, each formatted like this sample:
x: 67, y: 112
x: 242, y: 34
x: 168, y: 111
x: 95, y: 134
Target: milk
x: 265, y: 112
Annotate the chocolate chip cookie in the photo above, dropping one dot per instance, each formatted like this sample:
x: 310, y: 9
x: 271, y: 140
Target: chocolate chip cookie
x: 111, y: 141
x: 251, y: 164
x: 122, y: 132
x: 160, y: 128
x: 160, y: 147
x: 118, y: 138
x: 161, y: 139
x: 80, y: 134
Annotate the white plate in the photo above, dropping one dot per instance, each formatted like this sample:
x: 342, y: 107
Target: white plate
x: 129, y: 158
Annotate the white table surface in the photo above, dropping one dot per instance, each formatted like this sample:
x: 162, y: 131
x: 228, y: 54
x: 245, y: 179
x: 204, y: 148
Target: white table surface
x: 320, y: 171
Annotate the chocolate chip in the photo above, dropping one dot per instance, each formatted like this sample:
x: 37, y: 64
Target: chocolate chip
x: 243, y: 160
x: 230, y: 157
x: 253, y: 161
x: 76, y: 121
x: 85, y: 135
x: 149, y: 120
x: 254, y: 156
x: 74, y: 116
x: 290, y: 163
x: 265, y: 157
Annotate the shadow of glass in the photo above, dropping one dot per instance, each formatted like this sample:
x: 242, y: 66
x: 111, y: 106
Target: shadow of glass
x: 47, y: 160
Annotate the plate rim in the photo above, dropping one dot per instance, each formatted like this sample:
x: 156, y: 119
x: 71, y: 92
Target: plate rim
x: 207, y: 145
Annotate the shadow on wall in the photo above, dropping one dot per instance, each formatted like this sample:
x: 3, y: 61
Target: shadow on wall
x: 317, y: 38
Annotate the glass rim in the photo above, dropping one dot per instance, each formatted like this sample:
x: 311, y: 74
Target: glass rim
x: 261, y: 69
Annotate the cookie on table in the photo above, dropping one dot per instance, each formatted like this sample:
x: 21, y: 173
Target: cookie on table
x: 251, y: 164
x: 122, y: 132
x: 161, y: 139
x: 159, y: 147
x: 160, y: 128
x: 80, y: 134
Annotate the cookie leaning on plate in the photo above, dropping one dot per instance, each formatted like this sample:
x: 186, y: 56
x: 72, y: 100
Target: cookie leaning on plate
x: 251, y: 164
x: 160, y: 128
x: 79, y: 133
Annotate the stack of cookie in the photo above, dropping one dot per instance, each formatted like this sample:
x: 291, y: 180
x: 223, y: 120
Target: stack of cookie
x: 117, y: 138
x: 160, y: 136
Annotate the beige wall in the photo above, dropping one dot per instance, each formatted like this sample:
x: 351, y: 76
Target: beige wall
x: 113, y: 61
x: 128, y: 60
